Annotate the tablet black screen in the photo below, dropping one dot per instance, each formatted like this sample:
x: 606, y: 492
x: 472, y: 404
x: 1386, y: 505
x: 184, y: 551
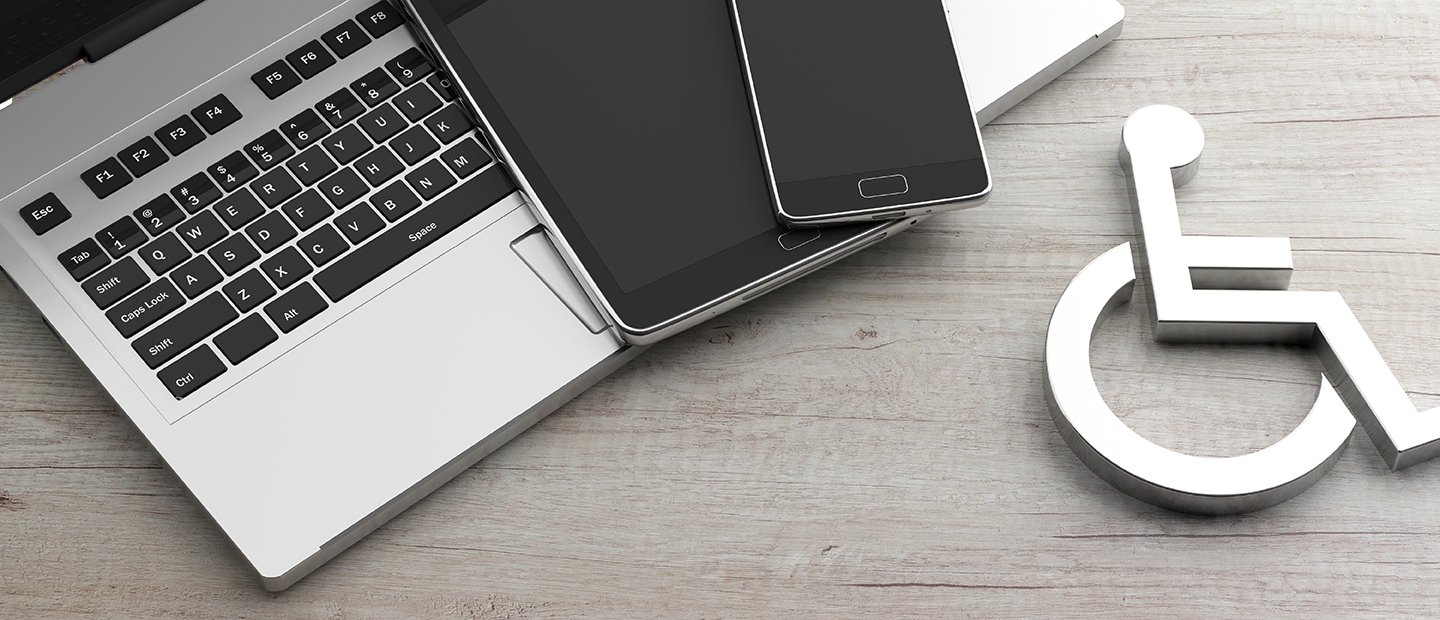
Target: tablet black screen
x: 636, y: 113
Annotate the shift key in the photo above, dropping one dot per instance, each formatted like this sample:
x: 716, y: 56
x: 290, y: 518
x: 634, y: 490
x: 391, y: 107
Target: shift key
x: 403, y: 240
x: 196, y: 323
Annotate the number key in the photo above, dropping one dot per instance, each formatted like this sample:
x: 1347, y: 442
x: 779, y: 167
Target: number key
x: 305, y: 129
x: 409, y: 67
x: 340, y: 108
x: 159, y: 215
x: 121, y: 237
x: 196, y: 193
x: 269, y: 150
x: 375, y: 87
x: 233, y: 172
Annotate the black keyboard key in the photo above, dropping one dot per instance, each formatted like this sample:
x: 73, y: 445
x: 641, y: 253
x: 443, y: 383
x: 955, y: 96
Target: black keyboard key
x: 347, y: 144
x: 343, y: 188
x: 159, y: 215
x: 197, y: 277
x: 382, y: 123
x: 82, y: 261
x: 180, y: 135
x: 414, y: 145
x: 311, y: 59
x: 417, y: 103
x: 449, y: 124
x: 233, y: 172
x: 465, y: 158
x: 442, y: 85
x: 143, y: 309
x: 106, y: 178
x: 45, y: 214
x: 430, y: 179
x: 396, y: 201
x: 286, y: 268
x: 245, y: 339
x: 340, y: 108
x: 379, y: 166
x: 202, y: 231
x: 295, y: 308
x: 116, y: 282
x: 239, y: 209
x: 375, y: 87
x: 143, y: 157
x: 359, y: 223
x: 305, y: 129
x: 307, y: 210
x: 380, y: 19
x: 269, y: 150
x: 275, y: 187
x: 312, y: 165
x: 121, y: 237
x: 234, y: 254
x: 428, y: 225
x: 323, y: 245
x: 409, y: 67
x: 185, y: 330
x: 276, y: 79
x: 271, y: 232
x: 216, y: 114
x: 165, y: 253
x: 248, y: 291
x: 195, y: 371
x: 196, y: 193
x: 345, y: 39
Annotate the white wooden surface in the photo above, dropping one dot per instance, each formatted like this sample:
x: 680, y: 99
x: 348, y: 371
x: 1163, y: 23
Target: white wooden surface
x: 873, y: 441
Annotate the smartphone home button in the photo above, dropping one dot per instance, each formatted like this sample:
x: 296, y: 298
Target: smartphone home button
x: 880, y: 187
x: 797, y: 239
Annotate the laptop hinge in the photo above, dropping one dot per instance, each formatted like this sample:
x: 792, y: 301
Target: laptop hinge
x: 132, y: 25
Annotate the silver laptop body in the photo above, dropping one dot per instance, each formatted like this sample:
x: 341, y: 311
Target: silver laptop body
x: 363, y: 407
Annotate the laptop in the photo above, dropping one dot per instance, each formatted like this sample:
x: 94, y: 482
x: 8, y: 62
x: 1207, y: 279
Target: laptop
x: 289, y: 259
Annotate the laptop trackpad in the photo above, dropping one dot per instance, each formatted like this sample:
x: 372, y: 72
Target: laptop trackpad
x: 538, y: 253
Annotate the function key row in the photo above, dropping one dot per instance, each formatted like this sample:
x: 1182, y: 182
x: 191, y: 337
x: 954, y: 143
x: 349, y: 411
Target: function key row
x: 145, y: 156
x: 310, y: 59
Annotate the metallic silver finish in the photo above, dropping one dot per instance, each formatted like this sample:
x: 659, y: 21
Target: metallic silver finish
x: 861, y: 215
x: 1216, y: 289
x: 380, y: 399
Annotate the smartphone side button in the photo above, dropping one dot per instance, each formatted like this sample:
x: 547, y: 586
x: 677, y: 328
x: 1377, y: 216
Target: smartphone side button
x: 797, y: 239
x: 880, y: 187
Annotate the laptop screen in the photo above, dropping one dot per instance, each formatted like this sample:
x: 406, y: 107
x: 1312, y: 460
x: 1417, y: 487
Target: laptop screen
x: 40, y: 37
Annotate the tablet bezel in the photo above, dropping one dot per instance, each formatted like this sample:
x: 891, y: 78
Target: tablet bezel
x: 674, y: 302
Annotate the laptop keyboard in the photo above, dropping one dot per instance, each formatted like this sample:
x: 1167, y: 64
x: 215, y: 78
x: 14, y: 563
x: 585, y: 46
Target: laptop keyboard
x: 208, y: 274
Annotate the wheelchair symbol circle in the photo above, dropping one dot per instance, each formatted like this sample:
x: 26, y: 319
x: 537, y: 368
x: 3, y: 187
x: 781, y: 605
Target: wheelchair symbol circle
x: 1217, y: 289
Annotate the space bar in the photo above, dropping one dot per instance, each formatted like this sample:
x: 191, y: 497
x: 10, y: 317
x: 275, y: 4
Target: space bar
x: 416, y: 233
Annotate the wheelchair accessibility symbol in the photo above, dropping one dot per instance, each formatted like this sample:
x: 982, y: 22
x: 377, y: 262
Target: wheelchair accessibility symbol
x: 1218, y: 289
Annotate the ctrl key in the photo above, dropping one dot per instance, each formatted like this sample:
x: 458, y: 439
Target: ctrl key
x: 192, y: 372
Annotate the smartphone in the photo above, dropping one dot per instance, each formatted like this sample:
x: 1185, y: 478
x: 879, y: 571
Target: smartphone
x: 861, y: 109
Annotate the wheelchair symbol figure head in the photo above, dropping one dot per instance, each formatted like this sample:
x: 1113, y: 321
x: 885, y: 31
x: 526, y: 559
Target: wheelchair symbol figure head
x: 1217, y: 289
x: 1165, y: 135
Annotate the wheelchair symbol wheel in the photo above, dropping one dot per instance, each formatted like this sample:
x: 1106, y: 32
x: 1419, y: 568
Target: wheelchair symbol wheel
x: 1217, y: 289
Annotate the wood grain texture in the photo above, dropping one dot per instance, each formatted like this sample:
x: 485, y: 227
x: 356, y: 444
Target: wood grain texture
x: 873, y: 440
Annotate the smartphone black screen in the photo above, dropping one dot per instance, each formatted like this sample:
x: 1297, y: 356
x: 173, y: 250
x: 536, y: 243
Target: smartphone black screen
x: 848, y: 90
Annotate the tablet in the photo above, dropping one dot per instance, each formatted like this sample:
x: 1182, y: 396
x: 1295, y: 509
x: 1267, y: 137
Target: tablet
x: 628, y: 124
